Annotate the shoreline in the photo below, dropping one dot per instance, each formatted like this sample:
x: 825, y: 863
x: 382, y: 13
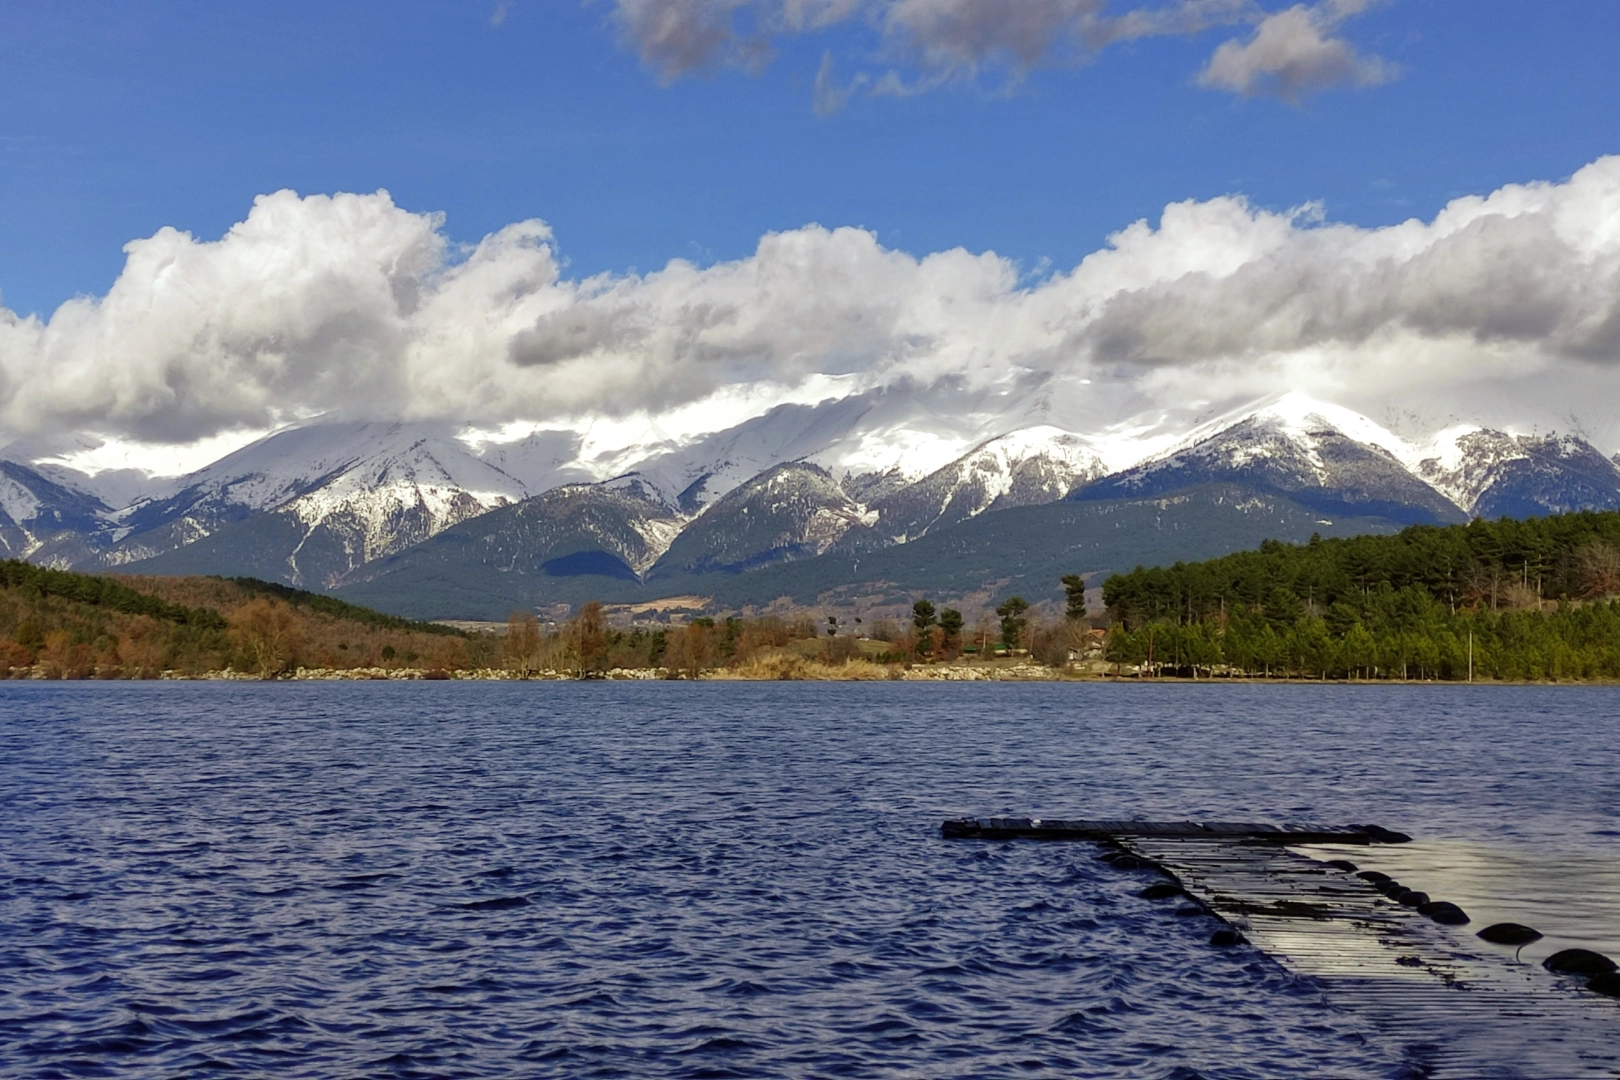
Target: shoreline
x: 1022, y: 673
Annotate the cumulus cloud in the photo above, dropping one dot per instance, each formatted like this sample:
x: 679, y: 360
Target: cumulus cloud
x: 353, y: 305
x: 1295, y: 52
x: 1291, y: 52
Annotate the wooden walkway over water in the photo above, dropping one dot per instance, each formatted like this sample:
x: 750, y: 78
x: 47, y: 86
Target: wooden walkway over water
x: 1446, y: 1003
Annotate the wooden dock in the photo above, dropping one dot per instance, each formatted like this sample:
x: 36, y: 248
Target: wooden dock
x: 1106, y: 831
x: 1447, y: 1004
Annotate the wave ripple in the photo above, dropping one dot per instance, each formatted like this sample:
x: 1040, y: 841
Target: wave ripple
x: 588, y: 880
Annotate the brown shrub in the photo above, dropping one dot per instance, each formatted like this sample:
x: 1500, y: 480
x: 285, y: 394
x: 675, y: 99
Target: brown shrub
x: 13, y: 655
x: 63, y: 658
x: 266, y: 632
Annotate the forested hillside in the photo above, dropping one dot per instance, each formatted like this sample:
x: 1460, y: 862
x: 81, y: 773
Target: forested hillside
x: 1505, y: 599
x: 59, y: 624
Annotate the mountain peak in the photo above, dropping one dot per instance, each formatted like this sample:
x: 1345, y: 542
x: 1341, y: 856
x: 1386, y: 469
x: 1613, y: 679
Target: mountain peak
x: 1499, y: 474
x: 1323, y: 456
x: 793, y: 510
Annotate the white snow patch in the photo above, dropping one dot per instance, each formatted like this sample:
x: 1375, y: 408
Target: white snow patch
x: 16, y: 501
x: 910, y: 452
x: 659, y: 534
x: 1292, y: 417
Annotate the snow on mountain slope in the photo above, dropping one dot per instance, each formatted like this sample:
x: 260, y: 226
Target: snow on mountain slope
x: 538, y: 460
x: 615, y: 530
x: 390, y: 500
x: 356, y: 492
x: 353, y: 492
x: 1295, y: 418
x: 311, y: 505
x: 874, y: 441
x: 695, y: 475
x: 1323, y: 456
x: 45, y: 521
x: 301, y: 461
x: 1022, y: 468
x: 1463, y: 460
x: 18, y: 501
x: 793, y: 511
x: 1497, y: 474
x: 870, y: 434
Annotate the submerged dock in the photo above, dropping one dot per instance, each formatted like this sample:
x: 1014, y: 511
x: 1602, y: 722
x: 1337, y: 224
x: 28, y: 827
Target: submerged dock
x: 1446, y: 1003
x: 1114, y: 831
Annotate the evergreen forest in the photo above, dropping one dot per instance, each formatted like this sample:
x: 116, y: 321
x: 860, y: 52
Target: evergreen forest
x: 1498, y: 600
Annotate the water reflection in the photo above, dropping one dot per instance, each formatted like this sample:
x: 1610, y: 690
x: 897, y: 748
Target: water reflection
x: 1571, y: 894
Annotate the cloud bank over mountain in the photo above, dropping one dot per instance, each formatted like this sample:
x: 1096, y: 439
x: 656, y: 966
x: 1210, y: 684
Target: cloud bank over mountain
x: 1289, y: 53
x: 351, y: 305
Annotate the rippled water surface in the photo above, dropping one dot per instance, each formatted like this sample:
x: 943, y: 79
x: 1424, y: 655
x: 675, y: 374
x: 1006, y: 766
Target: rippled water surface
x: 712, y: 880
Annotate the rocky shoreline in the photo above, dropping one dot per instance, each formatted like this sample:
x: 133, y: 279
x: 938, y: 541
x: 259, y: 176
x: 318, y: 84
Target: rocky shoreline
x: 853, y: 673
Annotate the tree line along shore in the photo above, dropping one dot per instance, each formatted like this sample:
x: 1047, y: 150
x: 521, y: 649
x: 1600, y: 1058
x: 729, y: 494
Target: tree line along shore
x: 58, y: 624
x: 1504, y: 600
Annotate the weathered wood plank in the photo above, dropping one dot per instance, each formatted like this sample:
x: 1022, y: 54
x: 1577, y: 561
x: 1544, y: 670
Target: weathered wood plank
x: 1452, y: 1009
x: 1456, y: 1010
x: 1007, y: 828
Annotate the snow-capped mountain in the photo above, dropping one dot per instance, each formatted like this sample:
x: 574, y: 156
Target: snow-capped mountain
x: 312, y: 503
x: 326, y: 505
x: 878, y: 439
x: 792, y: 511
x: 612, y: 530
x: 1036, y: 465
x: 1494, y: 474
x: 1330, y: 459
x: 46, y: 521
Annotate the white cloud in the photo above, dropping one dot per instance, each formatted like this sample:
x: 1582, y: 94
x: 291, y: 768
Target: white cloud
x: 1295, y: 52
x: 680, y: 36
x: 353, y: 305
x: 963, y: 35
x: 830, y: 94
x: 1291, y: 52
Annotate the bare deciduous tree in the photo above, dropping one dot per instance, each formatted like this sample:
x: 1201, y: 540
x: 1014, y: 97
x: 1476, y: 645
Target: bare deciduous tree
x: 1598, y: 564
x: 522, y: 644
x: 266, y: 631
x: 690, y: 651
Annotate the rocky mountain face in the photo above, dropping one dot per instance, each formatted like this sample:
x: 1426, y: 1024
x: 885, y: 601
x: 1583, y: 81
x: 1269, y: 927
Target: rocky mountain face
x: 1303, y: 456
x: 791, y: 511
x: 1492, y: 474
x: 309, y: 505
x: 615, y: 530
x: 361, y: 506
x: 48, y: 522
x: 1025, y: 468
x: 1023, y: 550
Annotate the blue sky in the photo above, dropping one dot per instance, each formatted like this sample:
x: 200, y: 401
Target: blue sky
x: 123, y: 118
x: 660, y: 217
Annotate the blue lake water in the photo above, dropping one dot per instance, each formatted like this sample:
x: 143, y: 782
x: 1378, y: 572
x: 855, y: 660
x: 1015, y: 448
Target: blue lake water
x: 717, y: 880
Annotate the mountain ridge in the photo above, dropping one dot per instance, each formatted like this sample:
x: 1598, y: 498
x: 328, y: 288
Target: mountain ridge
x: 343, y: 505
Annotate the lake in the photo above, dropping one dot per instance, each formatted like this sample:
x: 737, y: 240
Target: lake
x: 731, y: 879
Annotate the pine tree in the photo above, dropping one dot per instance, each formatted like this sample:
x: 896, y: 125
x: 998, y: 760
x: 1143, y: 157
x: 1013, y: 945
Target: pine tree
x: 1074, y: 587
x: 1011, y: 612
x: 922, y: 621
